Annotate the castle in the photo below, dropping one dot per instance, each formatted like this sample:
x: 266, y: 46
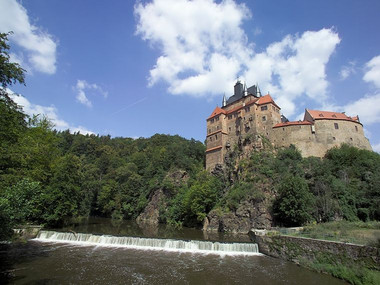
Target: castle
x: 248, y: 114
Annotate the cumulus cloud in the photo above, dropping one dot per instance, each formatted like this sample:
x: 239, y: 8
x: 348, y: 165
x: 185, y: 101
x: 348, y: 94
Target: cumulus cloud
x: 38, y: 47
x: 82, y: 87
x: 347, y: 70
x: 294, y: 67
x: 204, y: 49
x: 372, y: 74
x: 50, y: 112
x: 192, y: 37
x: 368, y: 109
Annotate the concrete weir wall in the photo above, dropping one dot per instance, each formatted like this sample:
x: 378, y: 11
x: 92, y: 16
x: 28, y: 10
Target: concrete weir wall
x: 306, y: 250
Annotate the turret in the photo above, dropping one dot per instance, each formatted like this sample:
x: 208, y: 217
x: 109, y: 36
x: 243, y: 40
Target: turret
x: 238, y: 90
x: 224, y: 102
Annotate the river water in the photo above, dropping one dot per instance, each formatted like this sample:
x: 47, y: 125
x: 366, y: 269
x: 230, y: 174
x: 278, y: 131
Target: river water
x: 164, y: 256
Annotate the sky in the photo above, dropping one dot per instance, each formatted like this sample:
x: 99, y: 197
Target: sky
x: 137, y: 68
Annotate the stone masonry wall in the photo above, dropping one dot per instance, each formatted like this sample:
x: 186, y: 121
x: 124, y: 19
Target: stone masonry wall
x: 306, y: 250
x: 326, y: 136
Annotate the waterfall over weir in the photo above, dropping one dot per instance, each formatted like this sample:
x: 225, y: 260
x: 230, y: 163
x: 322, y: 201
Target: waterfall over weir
x: 193, y: 246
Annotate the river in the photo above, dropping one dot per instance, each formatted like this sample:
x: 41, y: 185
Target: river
x: 164, y: 256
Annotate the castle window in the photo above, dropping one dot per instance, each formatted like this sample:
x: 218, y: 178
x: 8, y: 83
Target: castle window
x: 209, y: 130
x: 263, y: 108
x: 210, y: 139
x: 212, y: 120
x: 229, y: 117
x: 217, y: 127
x: 351, y: 139
x: 283, y: 129
x: 217, y: 118
x: 229, y: 129
x: 216, y: 137
x: 336, y: 126
x: 356, y: 128
x: 264, y: 118
x: 235, y: 115
x: 334, y: 138
x: 247, y: 109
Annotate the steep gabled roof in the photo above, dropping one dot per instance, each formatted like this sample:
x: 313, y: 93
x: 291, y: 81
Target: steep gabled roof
x: 217, y: 111
x: 327, y: 115
x: 265, y: 100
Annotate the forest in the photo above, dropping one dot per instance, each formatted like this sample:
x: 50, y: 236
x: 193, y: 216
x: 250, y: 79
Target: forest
x: 49, y: 177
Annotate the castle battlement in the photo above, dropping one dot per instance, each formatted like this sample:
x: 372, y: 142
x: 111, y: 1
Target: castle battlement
x: 248, y: 113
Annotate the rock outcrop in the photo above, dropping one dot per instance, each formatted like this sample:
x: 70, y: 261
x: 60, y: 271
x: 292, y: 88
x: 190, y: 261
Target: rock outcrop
x: 159, y: 197
x: 249, y: 214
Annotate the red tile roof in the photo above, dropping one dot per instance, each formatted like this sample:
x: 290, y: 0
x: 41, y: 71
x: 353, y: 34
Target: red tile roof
x: 266, y: 99
x: 327, y: 115
x: 296, y: 123
x: 217, y: 111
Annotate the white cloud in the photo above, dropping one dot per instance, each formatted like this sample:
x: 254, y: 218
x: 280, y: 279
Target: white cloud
x: 368, y: 109
x: 192, y: 35
x: 347, y: 70
x: 373, y: 71
x: 82, y: 86
x: 294, y: 67
x: 376, y: 147
x: 204, y: 48
x: 38, y: 45
x: 50, y: 112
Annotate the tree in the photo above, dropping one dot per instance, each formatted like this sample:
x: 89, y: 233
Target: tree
x: 63, y: 195
x: 294, y: 205
x: 202, y: 195
x: 10, y: 72
x: 12, y: 124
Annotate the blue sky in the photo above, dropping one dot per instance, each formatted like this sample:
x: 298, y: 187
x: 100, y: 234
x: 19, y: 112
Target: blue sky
x: 136, y: 68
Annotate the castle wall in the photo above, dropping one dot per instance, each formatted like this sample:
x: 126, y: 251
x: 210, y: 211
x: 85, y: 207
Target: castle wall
x: 326, y: 136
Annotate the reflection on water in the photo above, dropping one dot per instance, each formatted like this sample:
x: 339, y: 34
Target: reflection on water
x: 62, y: 263
x: 96, y: 225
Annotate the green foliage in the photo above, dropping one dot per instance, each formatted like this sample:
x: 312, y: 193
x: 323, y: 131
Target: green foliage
x: 24, y: 200
x: 5, y: 219
x: 63, y: 195
x: 10, y: 73
x: 294, y: 204
x: 354, y: 274
x: 202, y: 195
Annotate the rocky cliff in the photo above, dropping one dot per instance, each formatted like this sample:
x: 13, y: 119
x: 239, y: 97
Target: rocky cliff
x: 158, y: 198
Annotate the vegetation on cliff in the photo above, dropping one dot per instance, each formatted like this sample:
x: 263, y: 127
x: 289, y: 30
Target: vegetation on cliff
x: 345, y: 184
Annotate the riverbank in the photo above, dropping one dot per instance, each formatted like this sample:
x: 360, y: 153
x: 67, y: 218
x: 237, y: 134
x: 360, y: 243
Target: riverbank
x: 357, y: 264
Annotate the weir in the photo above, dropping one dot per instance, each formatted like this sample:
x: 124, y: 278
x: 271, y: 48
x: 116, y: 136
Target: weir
x: 193, y: 246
